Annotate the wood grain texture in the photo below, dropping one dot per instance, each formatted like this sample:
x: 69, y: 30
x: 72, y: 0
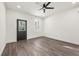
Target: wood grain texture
x: 41, y: 46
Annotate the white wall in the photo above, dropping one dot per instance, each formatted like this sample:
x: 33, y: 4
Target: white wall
x: 2, y: 27
x: 12, y: 17
x: 64, y: 26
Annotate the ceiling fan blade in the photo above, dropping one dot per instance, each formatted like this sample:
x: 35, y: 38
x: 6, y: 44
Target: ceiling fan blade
x: 48, y: 4
x: 49, y: 7
x: 43, y: 6
x: 44, y: 10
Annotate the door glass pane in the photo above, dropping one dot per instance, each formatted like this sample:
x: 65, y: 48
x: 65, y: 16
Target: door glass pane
x: 21, y: 26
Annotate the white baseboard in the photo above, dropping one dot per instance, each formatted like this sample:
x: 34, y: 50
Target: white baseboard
x: 62, y: 40
x: 33, y: 37
x: 2, y: 49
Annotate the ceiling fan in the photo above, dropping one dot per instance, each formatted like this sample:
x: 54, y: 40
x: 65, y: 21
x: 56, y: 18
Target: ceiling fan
x: 45, y: 6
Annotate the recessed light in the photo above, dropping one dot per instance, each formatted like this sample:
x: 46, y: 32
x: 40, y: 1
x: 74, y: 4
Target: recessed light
x: 18, y: 6
x: 73, y: 2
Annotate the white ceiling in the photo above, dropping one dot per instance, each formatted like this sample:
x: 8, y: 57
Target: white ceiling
x: 33, y: 7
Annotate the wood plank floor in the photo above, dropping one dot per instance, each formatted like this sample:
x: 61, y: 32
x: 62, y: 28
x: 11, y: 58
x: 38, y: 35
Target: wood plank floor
x: 42, y: 46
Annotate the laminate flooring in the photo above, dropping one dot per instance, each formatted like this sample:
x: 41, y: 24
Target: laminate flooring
x: 41, y: 46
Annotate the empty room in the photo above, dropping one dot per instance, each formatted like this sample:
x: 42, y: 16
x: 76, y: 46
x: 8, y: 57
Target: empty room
x: 39, y: 28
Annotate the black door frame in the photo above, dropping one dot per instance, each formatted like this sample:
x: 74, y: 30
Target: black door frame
x: 17, y: 27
